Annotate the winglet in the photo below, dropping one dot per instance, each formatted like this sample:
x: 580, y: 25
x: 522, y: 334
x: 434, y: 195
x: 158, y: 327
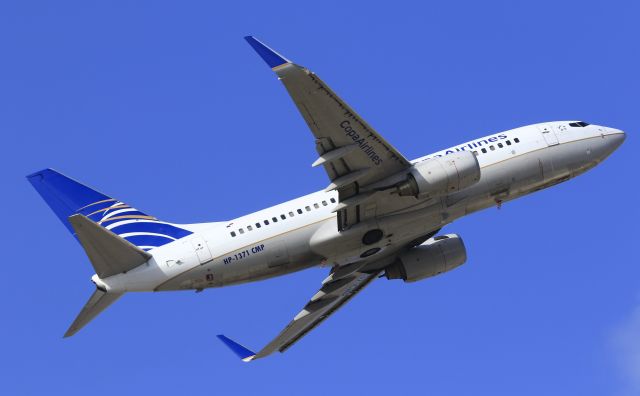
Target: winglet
x: 270, y: 56
x: 245, y: 354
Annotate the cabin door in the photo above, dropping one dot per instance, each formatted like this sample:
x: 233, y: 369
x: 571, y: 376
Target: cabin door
x: 549, y: 134
x: 201, y: 248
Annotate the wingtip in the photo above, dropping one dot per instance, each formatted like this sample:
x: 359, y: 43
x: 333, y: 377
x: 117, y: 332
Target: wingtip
x: 72, y: 330
x: 270, y: 56
x: 38, y: 173
x: 243, y: 353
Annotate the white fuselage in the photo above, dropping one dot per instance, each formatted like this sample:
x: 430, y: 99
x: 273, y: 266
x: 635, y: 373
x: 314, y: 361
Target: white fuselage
x: 303, y: 232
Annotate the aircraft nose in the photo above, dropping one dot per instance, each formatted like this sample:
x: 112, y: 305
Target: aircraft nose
x: 614, y: 139
x: 609, y: 142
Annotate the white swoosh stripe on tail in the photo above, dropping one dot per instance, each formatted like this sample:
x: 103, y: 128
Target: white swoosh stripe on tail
x: 130, y: 234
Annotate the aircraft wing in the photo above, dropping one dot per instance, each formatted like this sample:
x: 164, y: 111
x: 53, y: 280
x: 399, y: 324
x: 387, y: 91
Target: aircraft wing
x: 338, y: 288
x: 352, y: 153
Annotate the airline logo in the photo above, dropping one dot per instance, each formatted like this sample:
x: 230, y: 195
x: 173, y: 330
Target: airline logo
x: 361, y: 142
x: 471, y: 146
x: 129, y: 223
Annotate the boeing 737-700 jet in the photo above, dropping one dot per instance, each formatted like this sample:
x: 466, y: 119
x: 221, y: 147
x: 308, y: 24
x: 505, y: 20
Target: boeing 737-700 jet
x: 380, y: 214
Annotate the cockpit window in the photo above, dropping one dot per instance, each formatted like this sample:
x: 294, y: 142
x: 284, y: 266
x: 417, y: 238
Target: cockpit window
x: 579, y: 124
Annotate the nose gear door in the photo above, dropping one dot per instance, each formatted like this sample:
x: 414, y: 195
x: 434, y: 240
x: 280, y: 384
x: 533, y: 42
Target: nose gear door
x: 549, y: 134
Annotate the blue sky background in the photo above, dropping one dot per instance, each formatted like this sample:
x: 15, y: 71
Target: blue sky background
x: 163, y: 105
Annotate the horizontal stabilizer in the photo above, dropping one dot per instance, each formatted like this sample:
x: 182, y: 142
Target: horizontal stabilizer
x: 243, y: 353
x: 109, y: 253
x: 98, y: 302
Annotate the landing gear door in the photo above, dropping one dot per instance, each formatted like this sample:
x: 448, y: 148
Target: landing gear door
x: 202, y: 250
x: 549, y: 134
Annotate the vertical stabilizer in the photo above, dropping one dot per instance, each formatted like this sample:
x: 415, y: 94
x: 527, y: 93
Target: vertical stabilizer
x: 67, y: 197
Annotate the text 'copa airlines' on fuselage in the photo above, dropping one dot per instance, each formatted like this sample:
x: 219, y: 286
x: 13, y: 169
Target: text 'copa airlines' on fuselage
x: 380, y: 214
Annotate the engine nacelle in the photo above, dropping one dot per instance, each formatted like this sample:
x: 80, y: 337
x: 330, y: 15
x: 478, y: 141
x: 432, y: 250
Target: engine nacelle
x: 443, y: 175
x: 435, y: 256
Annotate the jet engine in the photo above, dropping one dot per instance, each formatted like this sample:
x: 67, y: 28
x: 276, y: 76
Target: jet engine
x: 435, y: 256
x: 442, y: 175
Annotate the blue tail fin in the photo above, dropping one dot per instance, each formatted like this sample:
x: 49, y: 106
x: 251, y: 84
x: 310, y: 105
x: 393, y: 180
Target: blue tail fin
x: 67, y: 197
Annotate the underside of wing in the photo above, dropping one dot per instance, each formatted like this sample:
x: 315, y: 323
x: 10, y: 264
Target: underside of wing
x: 337, y: 289
x: 352, y: 153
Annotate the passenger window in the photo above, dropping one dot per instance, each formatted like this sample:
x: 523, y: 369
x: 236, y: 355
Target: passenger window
x: 291, y: 214
x: 333, y: 200
x: 266, y: 222
x: 274, y: 219
x: 258, y: 225
x: 299, y: 211
x: 484, y: 150
x: 308, y: 209
x: 492, y: 147
x: 508, y: 142
x: 249, y: 228
x: 315, y: 205
x: 516, y: 140
x: 233, y: 233
x: 241, y: 231
x: 500, y: 145
x: 324, y: 203
x: 283, y: 217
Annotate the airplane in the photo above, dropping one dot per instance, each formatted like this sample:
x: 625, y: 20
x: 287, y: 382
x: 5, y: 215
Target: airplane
x: 380, y: 215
